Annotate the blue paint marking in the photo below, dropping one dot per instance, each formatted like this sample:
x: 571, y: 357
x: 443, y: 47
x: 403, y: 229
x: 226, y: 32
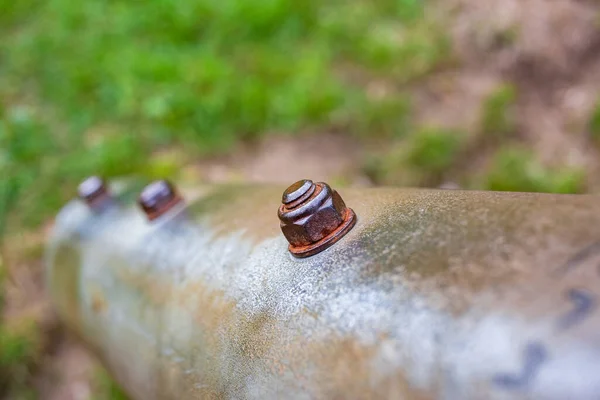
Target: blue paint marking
x: 534, y: 356
x: 584, y: 304
x: 587, y: 252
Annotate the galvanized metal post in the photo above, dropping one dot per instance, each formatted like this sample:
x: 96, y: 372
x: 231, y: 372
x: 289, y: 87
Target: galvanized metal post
x: 433, y: 294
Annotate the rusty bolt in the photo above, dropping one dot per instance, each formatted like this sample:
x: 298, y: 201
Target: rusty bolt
x: 94, y: 192
x: 313, y: 217
x: 157, y: 198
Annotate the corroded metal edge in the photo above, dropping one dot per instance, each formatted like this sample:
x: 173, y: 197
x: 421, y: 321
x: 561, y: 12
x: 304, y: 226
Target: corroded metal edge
x: 327, y: 241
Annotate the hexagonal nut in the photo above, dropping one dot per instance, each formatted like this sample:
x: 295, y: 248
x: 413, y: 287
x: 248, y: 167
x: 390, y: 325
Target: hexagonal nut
x: 327, y: 218
x: 322, y: 214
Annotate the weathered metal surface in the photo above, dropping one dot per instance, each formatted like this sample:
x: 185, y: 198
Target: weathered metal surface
x: 313, y: 217
x: 433, y: 294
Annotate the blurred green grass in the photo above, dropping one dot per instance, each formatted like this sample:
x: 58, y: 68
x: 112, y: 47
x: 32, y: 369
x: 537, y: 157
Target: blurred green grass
x: 498, y: 119
x: 97, y: 87
x: 515, y: 168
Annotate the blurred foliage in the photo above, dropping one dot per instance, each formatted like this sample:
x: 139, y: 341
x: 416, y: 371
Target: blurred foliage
x: 388, y: 116
x: 434, y: 150
x: 516, y: 169
x: 498, y: 119
x: 19, y: 350
x: 19, y: 347
x: 96, y: 87
x: 420, y: 160
x: 105, y: 387
x: 595, y: 122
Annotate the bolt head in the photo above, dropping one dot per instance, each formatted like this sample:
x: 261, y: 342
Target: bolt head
x: 297, y: 190
x: 314, y: 219
x: 326, y: 219
x: 92, y: 190
x: 157, y: 198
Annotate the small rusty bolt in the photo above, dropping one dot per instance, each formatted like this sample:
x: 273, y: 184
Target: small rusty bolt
x: 313, y: 217
x: 94, y: 192
x: 157, y: 198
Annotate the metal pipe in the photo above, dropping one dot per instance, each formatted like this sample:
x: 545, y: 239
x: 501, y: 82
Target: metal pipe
x: 433, y: 294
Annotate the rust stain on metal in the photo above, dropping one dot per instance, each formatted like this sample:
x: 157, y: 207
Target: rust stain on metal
x: 156, y: 291
x: 64, y: 285
x: 216, y: 318
x: 99, y: 304
x: 323, y: 369
x: 313, y: 217
x: 338, y: 364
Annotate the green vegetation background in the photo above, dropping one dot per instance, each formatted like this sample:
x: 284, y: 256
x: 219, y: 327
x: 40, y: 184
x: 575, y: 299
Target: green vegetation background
x: 97, y: 87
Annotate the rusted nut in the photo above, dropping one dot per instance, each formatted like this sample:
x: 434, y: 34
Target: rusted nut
x: 94, y: 192
x: 313, y: 217
x: 157, y: 198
